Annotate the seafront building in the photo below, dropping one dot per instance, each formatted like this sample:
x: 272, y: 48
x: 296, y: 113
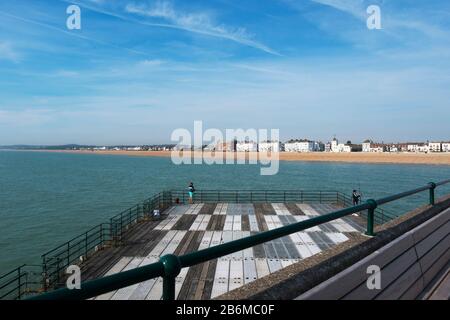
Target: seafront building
x: 435, y: 146
x: 445, y: 147
x: 418, y: 147
x: 303, y: 145
x: 247, y: 146
x: 271, y: 146
x: 341, y: 147
x: 370, y: 146
x: 226, y: 146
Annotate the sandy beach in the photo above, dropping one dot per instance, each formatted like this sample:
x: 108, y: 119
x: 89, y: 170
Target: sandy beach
x: 355, y: 157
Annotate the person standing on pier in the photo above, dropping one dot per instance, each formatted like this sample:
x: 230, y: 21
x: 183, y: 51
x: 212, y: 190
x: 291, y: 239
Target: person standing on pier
x: 191, y: 193
x: 355, y: 197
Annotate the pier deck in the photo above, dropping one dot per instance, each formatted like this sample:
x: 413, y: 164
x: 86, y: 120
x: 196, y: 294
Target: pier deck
x: 188, y: 228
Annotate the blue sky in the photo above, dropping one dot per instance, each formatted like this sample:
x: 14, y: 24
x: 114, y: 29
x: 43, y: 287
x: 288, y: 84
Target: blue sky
x: 137, y: 70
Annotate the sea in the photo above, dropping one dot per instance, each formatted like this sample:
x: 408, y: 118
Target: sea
x: 48, y: 198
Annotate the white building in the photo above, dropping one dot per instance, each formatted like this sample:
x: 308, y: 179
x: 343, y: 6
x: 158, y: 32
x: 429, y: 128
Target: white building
x: 301, y: 146
x: 413, y: 147
x: 339, y: 147
x: 270, y: 146
x: 370, y: 146
x: 445, y: 146
x: 247, y: 146
x: 334, y: 145
x: 366, y: 146
x: 434, y: 146
x: 393, y: 148
x: 418, y: 147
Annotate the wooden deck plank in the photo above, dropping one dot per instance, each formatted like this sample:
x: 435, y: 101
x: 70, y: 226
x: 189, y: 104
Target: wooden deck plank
x: 301, y: 246
x: 342, y: 226
x: 248, y: 253
x: 174, y: 243
x: 213, y: 221
x: 281, y: 209
x: 294, y: 209
x: 207, y: 290
x: 116, y: 268
x: 336, y: 237
x: 236, y: 274
x: 221, y: 278
x: 274, y: 265
x: 184, y: 222
x: 245, y: 222
x: 171, y: 223
x: 206, y: 242
x: 307, y: 210
x: 262, y: 268
x: 159, y: 248
x: 259, y: 214
x: 196, y: 224
x: 142, y: 289
x: 312, y: 246
x: 205, y: 222
x: 224, y: 209
x: 237, y: 223
x: 218, y: 209
x: 236, y: 235
x: 253, y: 222
x: 318, y: 240
x: 188, y: 244
x: 208, y: 209
x: 250, y: 273
x: 124, y: 293
x: 188, y: 284
x: 228, y: 226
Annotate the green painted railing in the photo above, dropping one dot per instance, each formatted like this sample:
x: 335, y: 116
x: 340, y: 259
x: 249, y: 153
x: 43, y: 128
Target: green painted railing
x: 170, y: 265
x: 21, y: 282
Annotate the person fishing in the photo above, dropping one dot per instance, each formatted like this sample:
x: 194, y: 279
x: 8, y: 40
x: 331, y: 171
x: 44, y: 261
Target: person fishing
x: 356, y: 197
x: 191, y: 190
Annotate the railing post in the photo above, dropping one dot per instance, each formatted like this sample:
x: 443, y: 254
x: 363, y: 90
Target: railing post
x: 172, y: 268
x: 370, y: 216
x: 86, y: 245
x: 19, y: 275
x: 68, y: 253
x: 432, y: 187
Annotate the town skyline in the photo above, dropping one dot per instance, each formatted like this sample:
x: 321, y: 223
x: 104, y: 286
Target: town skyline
x: 249, y: 145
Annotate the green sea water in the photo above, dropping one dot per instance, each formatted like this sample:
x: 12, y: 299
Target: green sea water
x: 48, y: 198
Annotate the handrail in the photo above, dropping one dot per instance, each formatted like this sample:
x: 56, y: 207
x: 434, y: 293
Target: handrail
x: 170, y: 265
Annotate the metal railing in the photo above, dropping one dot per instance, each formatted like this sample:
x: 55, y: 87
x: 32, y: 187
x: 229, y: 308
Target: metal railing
x: 255, y: 196
x: 170, y: 265
x: 21, y: 282
x: 80, y: 248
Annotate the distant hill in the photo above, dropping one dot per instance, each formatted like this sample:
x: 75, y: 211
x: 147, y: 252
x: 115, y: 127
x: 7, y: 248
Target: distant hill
x: 35, y: 147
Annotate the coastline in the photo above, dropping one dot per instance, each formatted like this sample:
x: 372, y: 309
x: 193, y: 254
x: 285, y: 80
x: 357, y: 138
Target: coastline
x: 354, y: 157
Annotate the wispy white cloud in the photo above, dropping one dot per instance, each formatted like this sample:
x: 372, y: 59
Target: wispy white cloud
x: 354, y: 7
x: 393, y: 21
x: 200, y: 23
